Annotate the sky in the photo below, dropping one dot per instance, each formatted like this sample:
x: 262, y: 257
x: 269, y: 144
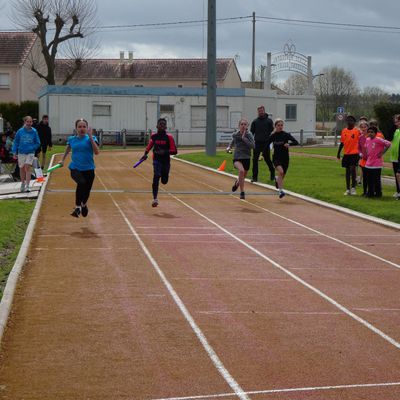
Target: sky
x: 369, y: 53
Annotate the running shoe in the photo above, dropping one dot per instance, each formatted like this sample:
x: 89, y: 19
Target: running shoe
x: 85, y: 211
x: 235, y: 186
x: 154, y: 203
x: 281, y: 194
x: 353, y: 191
x: 253, y: 180
x: 76, y: 213
x: 242, y: 196
x: 347, y: 192
x: 396, y: 195
x: 27, y: 189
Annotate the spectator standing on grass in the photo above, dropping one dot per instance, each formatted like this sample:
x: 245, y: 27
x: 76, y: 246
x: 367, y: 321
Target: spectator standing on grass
x: 395, y: 155
x: 362, y: 150
x: 375, y: 148
x: 242, y: 142
x: 44, y: 132
x: 83, y: 146
x: 24, y: 146
x: 349, y: 141
x: 163, y: 146
x: 261, y: 129
x: 281, y: 141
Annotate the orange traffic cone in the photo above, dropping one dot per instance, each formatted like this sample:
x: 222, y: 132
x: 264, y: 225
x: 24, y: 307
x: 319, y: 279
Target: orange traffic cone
x: 222, y: 166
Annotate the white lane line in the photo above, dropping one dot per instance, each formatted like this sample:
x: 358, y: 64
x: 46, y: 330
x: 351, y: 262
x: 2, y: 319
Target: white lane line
x: 235, y: 279
x: 297, y: 278
x: 290, y: 390
x: 238, y: 391
x: 272, y: 312
x: 377, y: 309
x: 325, y: 235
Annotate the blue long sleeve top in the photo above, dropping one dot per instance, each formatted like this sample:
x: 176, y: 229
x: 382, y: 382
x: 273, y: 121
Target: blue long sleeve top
x: 26, y: 141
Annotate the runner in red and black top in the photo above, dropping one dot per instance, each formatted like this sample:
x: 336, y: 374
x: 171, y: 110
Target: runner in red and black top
x: 163, y: 145
x: 281, y: 141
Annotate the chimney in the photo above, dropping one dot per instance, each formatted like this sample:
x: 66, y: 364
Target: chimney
x: 121, y: 56
x: 130, y: 56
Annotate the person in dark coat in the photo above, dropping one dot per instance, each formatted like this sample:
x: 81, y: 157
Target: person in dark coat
x: 261, y: 129
x: 44, y: 132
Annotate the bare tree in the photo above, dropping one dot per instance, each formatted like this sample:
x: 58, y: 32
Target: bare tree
x: 335, y: 88
x: 62, y: 26
x: 296, y: 84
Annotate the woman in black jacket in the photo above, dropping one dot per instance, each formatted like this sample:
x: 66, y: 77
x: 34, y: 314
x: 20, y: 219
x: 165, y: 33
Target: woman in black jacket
x: 281, y: 141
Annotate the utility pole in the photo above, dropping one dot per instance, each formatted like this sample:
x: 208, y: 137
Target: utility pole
x: 253, y: 54
x: 211, y: 127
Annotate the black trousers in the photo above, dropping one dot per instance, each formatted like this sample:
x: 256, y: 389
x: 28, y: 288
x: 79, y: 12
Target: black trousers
x: 395, y: 169
x: 374, y: 182
x: 262, y: 148
x: 84, y: 180
x: 161, y: 171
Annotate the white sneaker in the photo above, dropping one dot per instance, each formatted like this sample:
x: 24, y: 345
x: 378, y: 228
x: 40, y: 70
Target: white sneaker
x: 347, y: 193
x: 396, y: 195
x: 22, y: 189
x: 353, y: 191
x: 154, y: 203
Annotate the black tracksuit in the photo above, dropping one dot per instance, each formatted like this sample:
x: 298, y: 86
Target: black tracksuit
x: 261, y: 129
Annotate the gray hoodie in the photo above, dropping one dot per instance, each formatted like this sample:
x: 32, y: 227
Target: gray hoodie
x: 242, y: 146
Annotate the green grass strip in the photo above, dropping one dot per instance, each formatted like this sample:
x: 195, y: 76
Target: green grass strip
x: 14, y: 219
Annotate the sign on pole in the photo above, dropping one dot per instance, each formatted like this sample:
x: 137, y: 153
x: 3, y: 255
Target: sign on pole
x: 340, y: 110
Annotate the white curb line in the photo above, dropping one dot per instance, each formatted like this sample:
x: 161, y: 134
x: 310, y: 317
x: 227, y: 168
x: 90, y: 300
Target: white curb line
x: 344, y: 210
x: 9, y: 290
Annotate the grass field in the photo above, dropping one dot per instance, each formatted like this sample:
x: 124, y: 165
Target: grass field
x: 318, y: 178
x: 14, y: 218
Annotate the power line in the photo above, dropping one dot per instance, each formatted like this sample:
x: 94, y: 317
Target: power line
x: 335, y: 24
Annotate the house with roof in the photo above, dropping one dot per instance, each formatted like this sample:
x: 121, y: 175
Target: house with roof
x: 17, y: 82
x: 127, y: 71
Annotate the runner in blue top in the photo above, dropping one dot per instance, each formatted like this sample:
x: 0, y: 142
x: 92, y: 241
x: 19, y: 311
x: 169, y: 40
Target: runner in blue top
x: 24, y: 146
x: 83, y: 146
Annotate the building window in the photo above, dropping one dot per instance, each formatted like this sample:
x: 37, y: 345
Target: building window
x: 166, y: 108
x: 4, y: 80
x: 291, y: 112
x: 103, y: 110
x: 198, y: 116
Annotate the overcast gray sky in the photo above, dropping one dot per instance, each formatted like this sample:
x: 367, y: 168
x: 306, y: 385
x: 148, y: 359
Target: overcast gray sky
x: 370, y: 54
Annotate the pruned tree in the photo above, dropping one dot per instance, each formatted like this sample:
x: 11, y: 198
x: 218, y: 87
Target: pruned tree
x: 62, y: 27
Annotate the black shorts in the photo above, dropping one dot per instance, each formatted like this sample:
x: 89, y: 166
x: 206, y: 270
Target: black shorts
x: 245, y: 162
x: 350, y: 160
x: 281, y: 162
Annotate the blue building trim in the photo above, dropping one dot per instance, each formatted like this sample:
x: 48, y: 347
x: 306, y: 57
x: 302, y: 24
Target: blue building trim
x: 137, y: 91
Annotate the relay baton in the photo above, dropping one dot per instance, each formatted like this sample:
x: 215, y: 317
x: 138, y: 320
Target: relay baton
x: 53, y: 168
x: 139, y: 162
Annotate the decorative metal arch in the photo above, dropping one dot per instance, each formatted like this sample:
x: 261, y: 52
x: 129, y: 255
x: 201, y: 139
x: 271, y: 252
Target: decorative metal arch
x: 289, y: 60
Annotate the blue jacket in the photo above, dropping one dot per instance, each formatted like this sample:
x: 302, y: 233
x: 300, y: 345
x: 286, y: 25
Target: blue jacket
x: 26, y: 142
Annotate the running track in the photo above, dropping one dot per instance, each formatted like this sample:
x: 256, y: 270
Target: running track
x: 204, y: 297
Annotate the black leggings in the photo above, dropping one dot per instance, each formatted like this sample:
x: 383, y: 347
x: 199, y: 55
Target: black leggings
x: 84, y: 180
x: 395, y: 169
x: 351, y: 173
x: 161, y: 171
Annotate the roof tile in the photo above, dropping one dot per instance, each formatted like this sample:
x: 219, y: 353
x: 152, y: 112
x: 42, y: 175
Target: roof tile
x: 15, y: 47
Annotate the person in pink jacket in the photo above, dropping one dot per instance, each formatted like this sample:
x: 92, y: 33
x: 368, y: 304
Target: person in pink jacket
x: 375, y: 148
